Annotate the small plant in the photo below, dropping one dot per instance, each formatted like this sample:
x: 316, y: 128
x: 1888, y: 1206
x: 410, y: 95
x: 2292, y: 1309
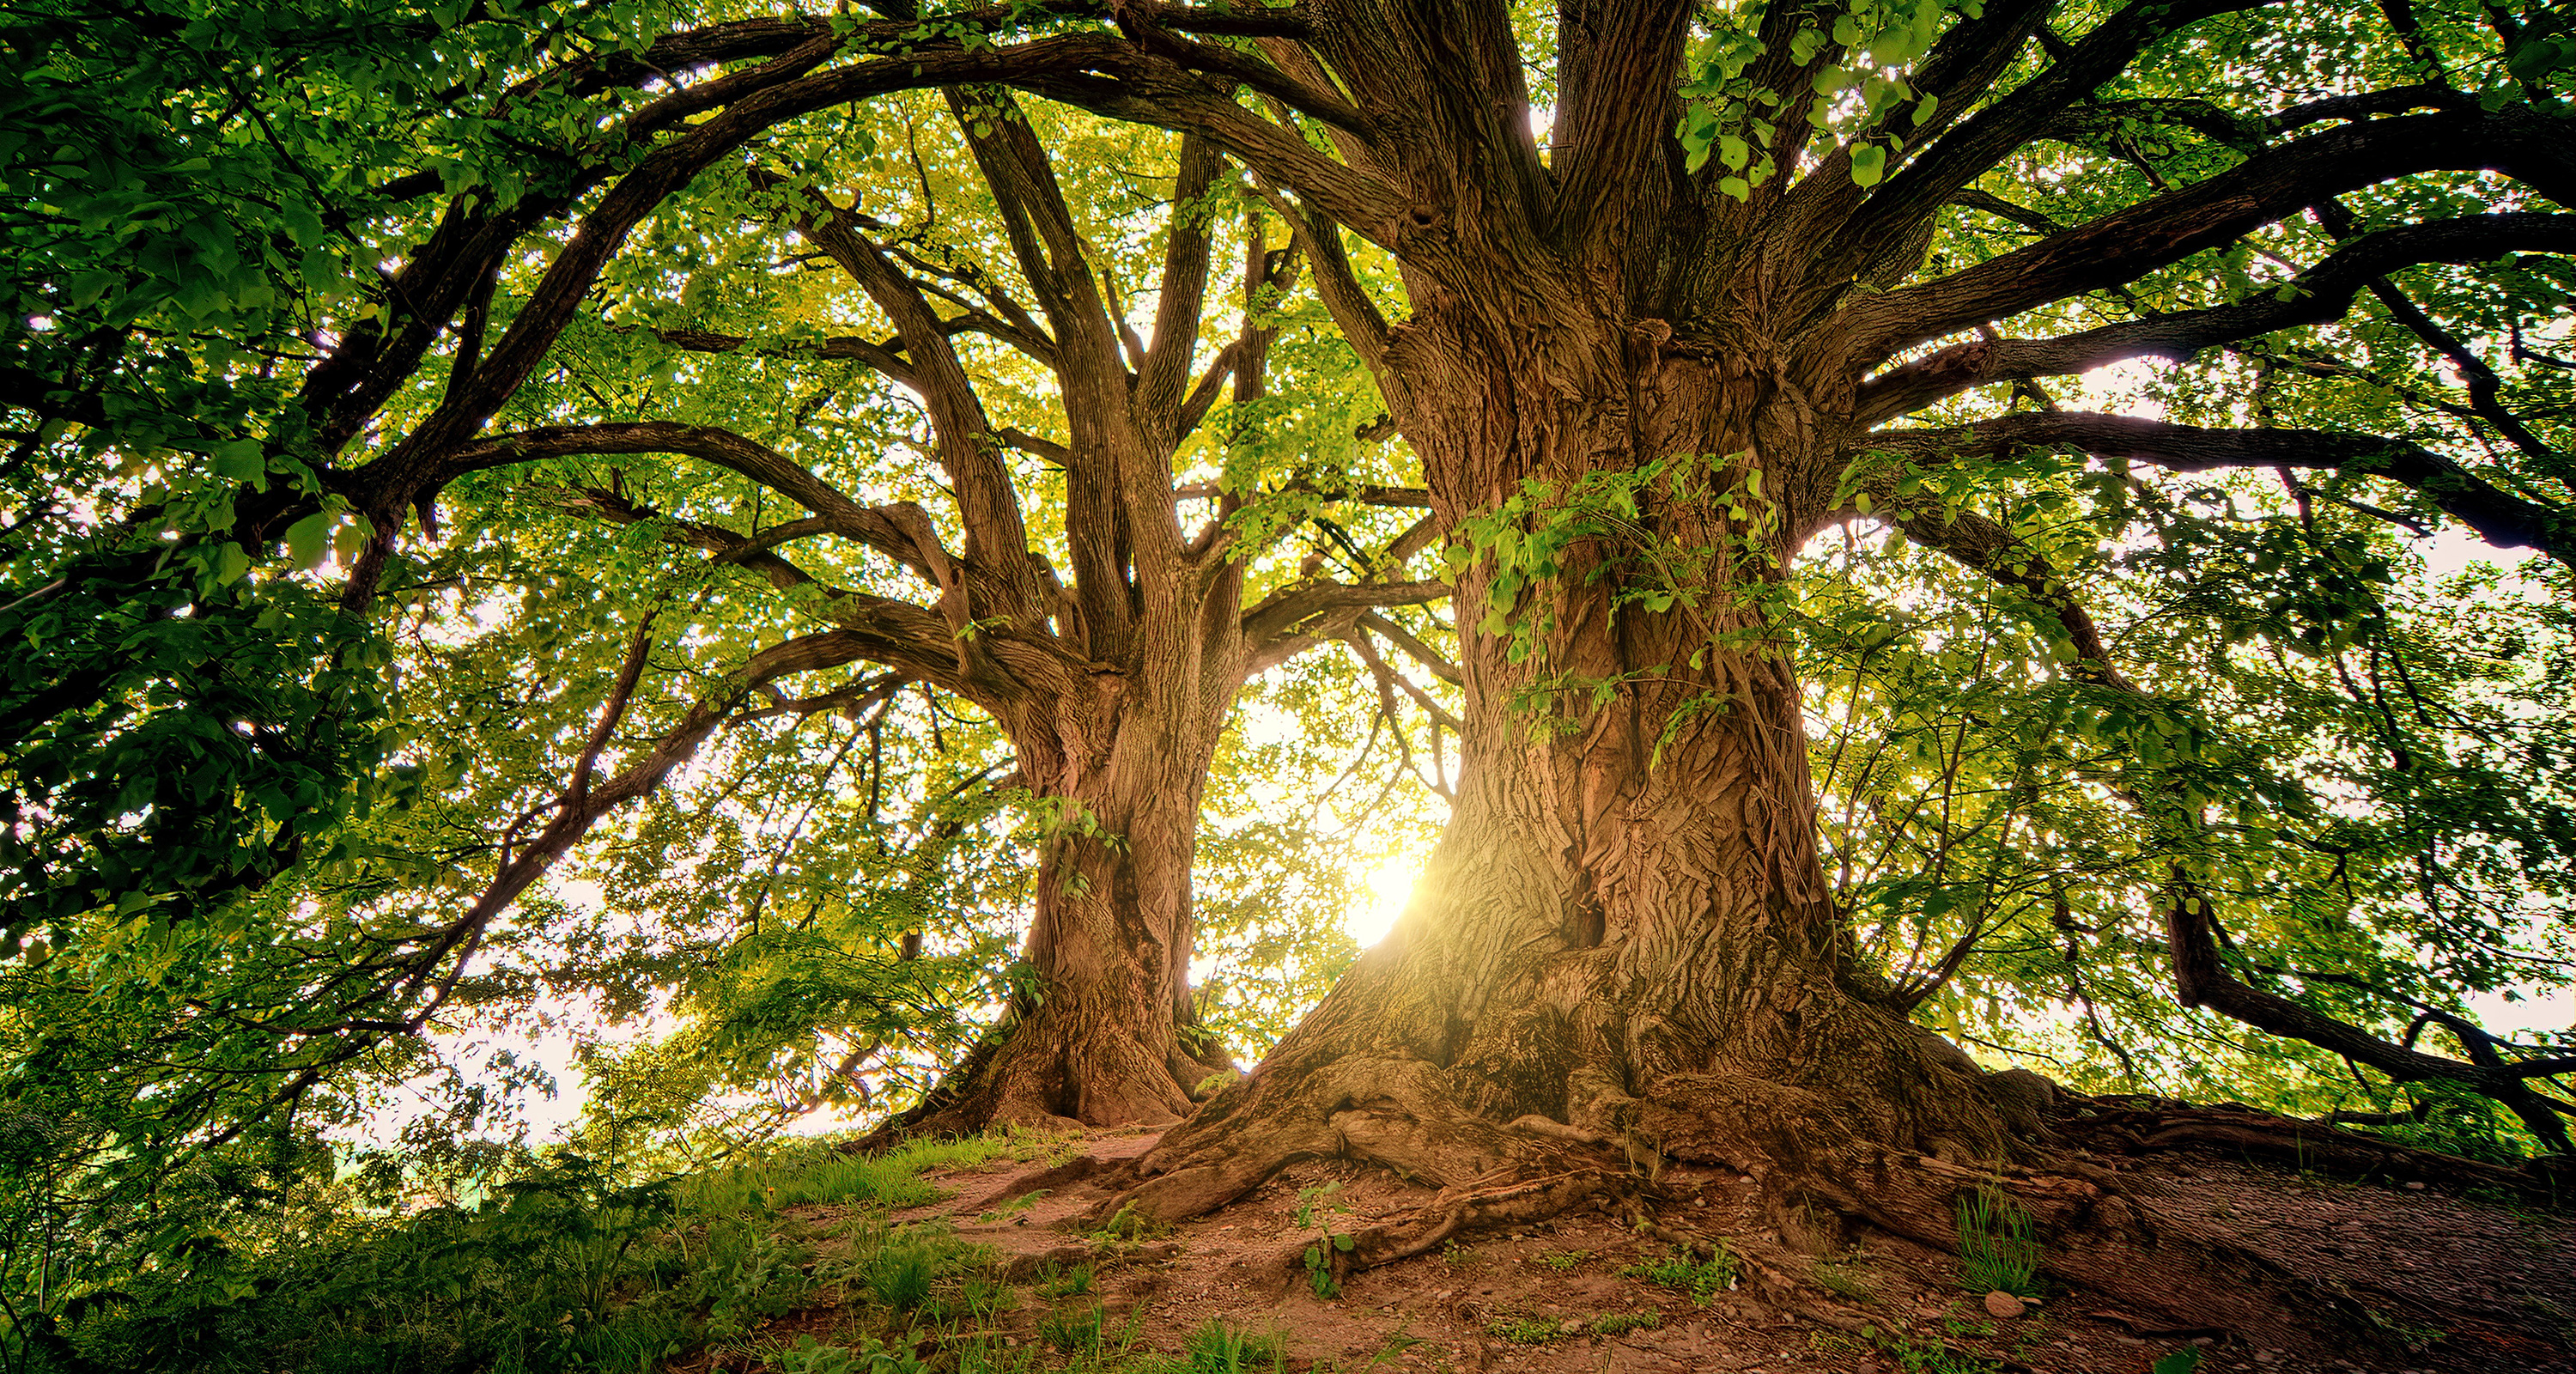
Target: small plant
x: 1220, y: 1349
x: 1127, y: 1226
x: 1998, y: 1246
x: 1966, y: 1328
x: 1845, y: 1281
x: 1456, y: 1256
x: 1562, y: 1260
x: 1702, y: 1279
x: 1530, y: 1329
x: 1073, y: 1331
x: 2182, y: 1361
x: 1012, y: 1208
x: 872, y: 1357
x: 1927, y: 1356
x: 1621, y: 1323
x: 1394, y: 1349
x: 1319, y: 1264
x: 1067, y: 1283
x: 1319, y: 1256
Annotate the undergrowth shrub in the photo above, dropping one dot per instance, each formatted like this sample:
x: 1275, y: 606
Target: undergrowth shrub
x: 560, y: 1268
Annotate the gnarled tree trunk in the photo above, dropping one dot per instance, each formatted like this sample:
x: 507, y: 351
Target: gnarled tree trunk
x: 1105, y: 1035
x: 1625, y: 940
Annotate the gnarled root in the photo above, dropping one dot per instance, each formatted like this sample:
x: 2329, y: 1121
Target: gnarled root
x: 1063, y: 1066
x: 1822, y: 1176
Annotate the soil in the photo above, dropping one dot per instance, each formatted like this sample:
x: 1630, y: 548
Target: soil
x: 2428, y: 1279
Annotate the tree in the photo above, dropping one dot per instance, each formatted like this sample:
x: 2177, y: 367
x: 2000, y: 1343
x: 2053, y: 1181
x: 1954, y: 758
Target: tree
x: 1754, y: 285
x: 1110, y: 681
x: 1648, y: 360
x: 1113, y: 683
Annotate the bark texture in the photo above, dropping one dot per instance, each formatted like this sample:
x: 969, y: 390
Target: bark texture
x: 1624, y: 950
x: 1624, y: 944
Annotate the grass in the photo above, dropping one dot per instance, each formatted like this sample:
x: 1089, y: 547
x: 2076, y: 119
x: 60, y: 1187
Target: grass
x: 818, y: 1173
x: 1217, y: 1348
x: 1621, y: 1323
x: 1844, y: 1280
x: 1701, y: 1279
x: 1065, y: 1283
x: 1561, y: 1260
x: 1529, y: 1329
x: 562, y: 1266
x: 902, y: 1272
x: 1999, y: 1248
x: 1073, y: 1330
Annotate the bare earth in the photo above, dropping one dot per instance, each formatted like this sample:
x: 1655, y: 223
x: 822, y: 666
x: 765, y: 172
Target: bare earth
x: 2435, y: 1282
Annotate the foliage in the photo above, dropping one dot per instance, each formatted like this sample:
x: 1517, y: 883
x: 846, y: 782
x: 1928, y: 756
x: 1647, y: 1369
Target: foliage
x: 1217, y: 1348
x: 556, y: 1267
x: 869, y: 1357
x: 1701, y: 1279
x: 1999, y: 1249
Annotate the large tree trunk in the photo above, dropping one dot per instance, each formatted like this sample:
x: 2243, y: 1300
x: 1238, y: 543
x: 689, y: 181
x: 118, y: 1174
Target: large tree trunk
x: 1624, y: 951
x: 1105, y: 1034
x: 1625, y: 937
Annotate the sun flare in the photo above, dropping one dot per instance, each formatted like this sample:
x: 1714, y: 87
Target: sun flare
x: 1389, y: 886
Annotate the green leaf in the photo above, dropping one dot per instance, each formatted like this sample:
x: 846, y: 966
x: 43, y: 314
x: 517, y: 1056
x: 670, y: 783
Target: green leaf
x: 1868, y: 164
x: 308, y: 540
x: 240, y: 460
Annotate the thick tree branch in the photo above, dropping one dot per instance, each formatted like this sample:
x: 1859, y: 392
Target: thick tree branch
x: 1985, y: 139
x: 2321, y: 293
x: 1413, y: 647
x: 2128, y: 244
x: 901, y: 531
x: 2498, y: 516
x: 1288, y: 610
x: 2202, y: 979
x: 1166, y: 369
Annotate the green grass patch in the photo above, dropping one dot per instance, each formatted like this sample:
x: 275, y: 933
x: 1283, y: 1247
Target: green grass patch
x: 562, y: 1267
x: 1701, y: 1279
x: 1217, y: 1348
x: 1999, y: 1246
x: 1529, y: 1329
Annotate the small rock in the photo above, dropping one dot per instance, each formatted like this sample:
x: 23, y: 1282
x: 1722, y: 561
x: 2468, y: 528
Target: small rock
x: 2004, y: 1305
x: 2415, y: 1187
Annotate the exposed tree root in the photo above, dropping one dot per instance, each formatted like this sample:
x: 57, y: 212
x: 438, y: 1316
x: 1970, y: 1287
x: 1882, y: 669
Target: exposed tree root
x: 2137, y: 1125
x: 1057, y: 1069
x: 2101, y: 1232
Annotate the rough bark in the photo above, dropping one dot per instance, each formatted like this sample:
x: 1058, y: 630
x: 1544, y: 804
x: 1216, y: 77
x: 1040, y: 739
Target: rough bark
x: 1105, y: 1035
x: 1624, y: 946
x: 1624, y: 951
